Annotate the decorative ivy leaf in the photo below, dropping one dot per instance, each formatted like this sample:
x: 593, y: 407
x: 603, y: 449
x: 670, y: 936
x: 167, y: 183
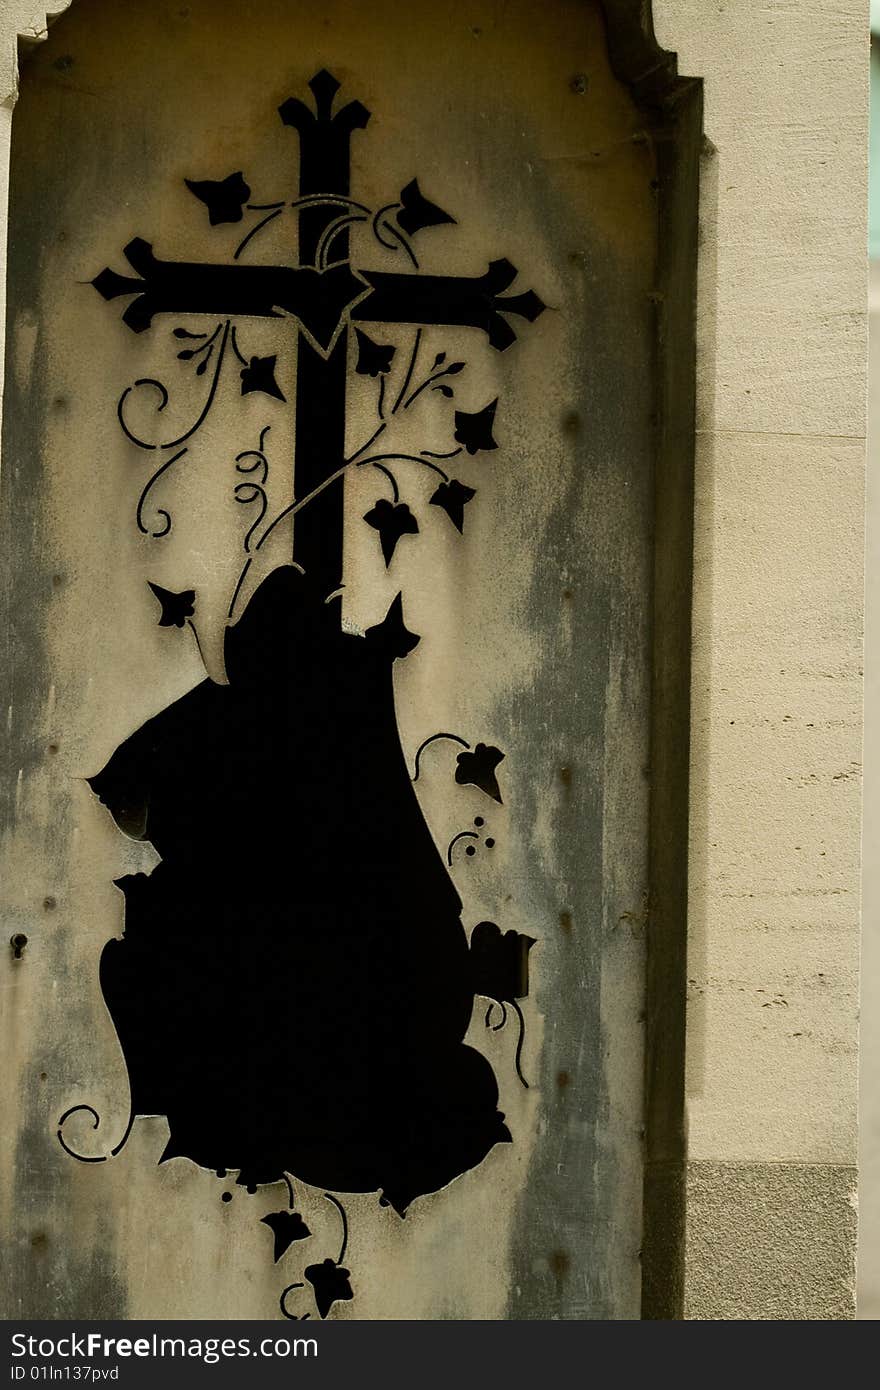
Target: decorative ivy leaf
x: 445, y: 390
x: 392, y: 636
x: 474, y: 430
x: 454, y: 368
x: 417, y: 212
x: 453, y: 497
x: 477, y: 768
x: 500, y: 964
x: 176, y: 608
x: 330, y: 1282
x: 259, y: 375
x: 439, y: 360
x: 187, y: 353
x: 286, y: 1226
x: 203, y: 365
x: 392, y: 520
x: 373, y: 358
x: 224, y: 198
x: 185, y: 333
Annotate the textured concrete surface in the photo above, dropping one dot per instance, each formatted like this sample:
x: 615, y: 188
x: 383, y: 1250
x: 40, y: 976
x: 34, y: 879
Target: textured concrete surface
x: 776, y: 697
x: 770, y: 1241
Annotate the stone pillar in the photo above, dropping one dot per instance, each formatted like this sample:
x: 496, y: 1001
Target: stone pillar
x: 773, y: 943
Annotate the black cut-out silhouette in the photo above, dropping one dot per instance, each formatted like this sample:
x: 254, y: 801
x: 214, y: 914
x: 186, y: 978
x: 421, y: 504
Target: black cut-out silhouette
x: 259, y: 375
x: 286, y: 1226
x: 392, y: 636
x: 373, y: 358
x: 176, y: 608
x: 477, y: 768
x: 500, y: 972
x: 392, y: 520
x: 453, y: 497
x: 224, y: 198
x: 293, y: 984
x: 500, y: 963
x: 264, y: 987
x: 417, y: 212
x: 474, y: 430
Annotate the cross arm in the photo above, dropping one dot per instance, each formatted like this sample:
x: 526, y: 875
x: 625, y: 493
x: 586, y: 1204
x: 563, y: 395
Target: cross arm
x: 192, y: 287
x: 472, y: 302
x: 319, y: 301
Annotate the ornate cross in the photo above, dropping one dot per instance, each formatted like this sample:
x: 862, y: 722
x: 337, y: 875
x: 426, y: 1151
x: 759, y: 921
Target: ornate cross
x: 322, y: 299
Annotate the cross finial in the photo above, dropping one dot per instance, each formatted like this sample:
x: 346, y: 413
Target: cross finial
x: 324, y: 87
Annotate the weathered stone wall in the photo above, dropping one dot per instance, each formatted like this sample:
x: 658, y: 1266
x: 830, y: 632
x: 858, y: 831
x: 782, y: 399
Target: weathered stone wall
x: 776, y: 705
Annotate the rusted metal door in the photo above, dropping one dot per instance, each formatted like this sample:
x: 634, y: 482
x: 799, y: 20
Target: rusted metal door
x: 327, y: 497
